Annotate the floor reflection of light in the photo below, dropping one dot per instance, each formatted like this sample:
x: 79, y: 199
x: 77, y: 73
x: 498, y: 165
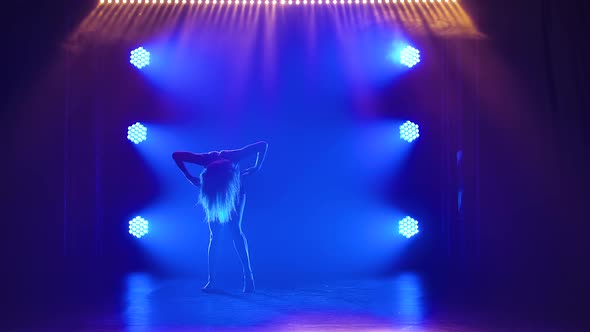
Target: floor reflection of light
x: 408, y: 303
x: 138, y: 311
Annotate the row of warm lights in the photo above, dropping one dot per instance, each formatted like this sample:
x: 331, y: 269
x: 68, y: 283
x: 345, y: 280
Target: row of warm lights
x: 267, y: 2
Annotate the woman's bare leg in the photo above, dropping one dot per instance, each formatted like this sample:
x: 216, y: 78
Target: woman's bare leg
x: 241, y: 245
x: 214, y: 230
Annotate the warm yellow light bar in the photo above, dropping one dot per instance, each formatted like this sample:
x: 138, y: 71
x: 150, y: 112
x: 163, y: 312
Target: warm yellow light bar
x: 268, y: 2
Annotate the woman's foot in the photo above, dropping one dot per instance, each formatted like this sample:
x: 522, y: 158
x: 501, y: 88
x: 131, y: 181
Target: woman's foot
x: 209, y: 287
x: 249, y: 284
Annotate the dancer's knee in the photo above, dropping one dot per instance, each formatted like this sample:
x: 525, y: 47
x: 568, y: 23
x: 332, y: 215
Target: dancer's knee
x: 213, y: 237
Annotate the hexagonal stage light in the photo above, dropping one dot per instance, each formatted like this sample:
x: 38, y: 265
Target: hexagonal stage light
x: 138, y: 227
x: 409, y: 131
x: 140, y: 57
x: 410, y: 56
x: 408, y: 227
x: 137, y: 133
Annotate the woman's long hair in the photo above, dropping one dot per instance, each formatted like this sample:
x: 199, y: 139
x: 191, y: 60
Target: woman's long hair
x: 220, y: 190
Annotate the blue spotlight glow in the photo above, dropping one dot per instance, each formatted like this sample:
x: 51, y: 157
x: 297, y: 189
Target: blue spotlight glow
x: 408, y: 227
x: 137, y: 133
x: 409, y: 131
x: 410, y: 56
x: 138, y: 227
x: 140, y: 57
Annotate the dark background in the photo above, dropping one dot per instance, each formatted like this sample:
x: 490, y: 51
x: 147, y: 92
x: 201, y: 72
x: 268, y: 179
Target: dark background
x: 522, y: 242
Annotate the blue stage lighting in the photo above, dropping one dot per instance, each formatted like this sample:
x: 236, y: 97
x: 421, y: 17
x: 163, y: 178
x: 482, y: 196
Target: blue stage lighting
x: 138, y: 227
x: 409, y: 131
x: 140, y: 57
x: 137, y: 133
x: 408, y: 227
x: 410, y: 56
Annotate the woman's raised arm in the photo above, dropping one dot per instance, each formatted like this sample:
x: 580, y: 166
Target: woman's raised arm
x: 258, y: 149
x: 201, y: 159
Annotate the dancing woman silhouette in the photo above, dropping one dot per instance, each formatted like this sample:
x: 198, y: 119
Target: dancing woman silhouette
x: 223, y: 198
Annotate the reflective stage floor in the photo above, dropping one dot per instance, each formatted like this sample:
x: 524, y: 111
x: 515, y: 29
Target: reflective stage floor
x: 144, y: 303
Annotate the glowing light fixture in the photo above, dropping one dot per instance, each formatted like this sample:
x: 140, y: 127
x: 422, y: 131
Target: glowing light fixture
x: 138, y: 227
x: 408, y: 227
x: 409, y: 131
x: 137, y: 133
x: 410, y: 56
x: 140, y: 57
x: 267, y: 3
